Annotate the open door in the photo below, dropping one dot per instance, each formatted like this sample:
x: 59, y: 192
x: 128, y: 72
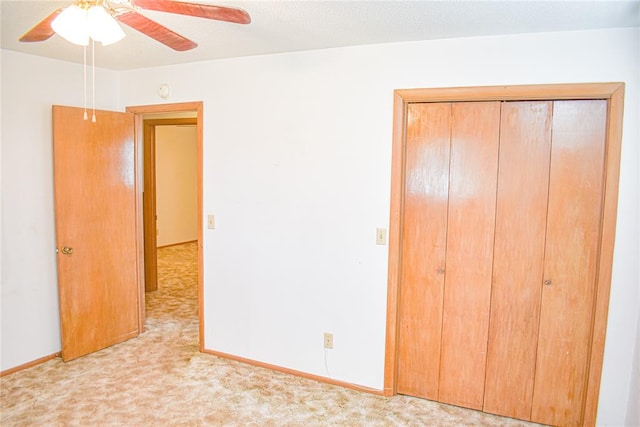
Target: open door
x: 149, y: 209
x: 96, y: 229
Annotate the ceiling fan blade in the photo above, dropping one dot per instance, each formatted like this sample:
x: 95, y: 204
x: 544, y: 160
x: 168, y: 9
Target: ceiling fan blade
x: 228, y: 14
x: 156, y: 31
x: 42, y: 31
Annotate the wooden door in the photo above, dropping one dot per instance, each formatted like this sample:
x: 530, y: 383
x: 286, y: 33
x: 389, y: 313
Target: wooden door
x: 95, y: 205
x: 570, y: 267
x: 521, y: 215
x: 423, y: 248
x: 473, y: 169
x: 450, y: 187
x: 149, y: 208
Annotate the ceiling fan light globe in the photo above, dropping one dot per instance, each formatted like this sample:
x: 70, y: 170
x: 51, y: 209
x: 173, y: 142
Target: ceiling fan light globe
x: 72, y: 25
x: 103, y: 27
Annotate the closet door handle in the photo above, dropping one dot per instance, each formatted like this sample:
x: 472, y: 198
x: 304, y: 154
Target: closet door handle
x: 440, y: 270
x: 547, y: 282
x: 67, y: 250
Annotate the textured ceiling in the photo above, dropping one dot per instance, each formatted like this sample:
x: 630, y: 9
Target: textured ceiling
x: 286, y: 26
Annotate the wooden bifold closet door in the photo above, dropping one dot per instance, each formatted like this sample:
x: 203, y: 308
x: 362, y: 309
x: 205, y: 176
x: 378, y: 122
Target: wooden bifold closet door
x: 521, y: 221
x: 571, y: 254
x: 501, y: 227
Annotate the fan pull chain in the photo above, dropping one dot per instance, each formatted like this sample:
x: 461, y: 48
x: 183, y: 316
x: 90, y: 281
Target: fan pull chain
x: 84, y: 48
x: 93, y: 78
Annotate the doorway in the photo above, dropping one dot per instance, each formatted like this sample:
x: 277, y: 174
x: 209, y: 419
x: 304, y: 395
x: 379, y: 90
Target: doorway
x: 171, y: 145
x: 150, y: 249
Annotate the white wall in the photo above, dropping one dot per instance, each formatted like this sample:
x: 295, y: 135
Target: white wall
x: 297, y: 153
x: 30, y: 86
x: 297, y: 167
x: 633, y: 410
x: 176, y: 184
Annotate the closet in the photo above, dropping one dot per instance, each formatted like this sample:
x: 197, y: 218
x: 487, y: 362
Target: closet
x: 499, y: 253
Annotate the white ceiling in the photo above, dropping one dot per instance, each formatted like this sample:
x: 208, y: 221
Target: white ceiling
x: 285, y: 26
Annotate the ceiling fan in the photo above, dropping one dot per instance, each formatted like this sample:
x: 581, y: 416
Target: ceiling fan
x: 127, y: 12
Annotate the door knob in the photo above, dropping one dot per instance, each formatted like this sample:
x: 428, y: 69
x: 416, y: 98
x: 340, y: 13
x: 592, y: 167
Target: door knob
x: 67, y: 250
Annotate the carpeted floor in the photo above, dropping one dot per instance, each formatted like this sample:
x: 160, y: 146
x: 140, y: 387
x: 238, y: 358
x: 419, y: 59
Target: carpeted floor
x: 160, y: 379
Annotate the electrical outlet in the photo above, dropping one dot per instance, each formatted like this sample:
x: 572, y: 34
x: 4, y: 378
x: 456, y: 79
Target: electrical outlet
x: 328, y: 340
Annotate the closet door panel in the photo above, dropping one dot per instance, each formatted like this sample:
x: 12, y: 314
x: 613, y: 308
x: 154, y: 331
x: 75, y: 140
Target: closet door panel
x: 473, y: 171
x: 521, y: 211
x: 424, y: 231
x: 566, y: 317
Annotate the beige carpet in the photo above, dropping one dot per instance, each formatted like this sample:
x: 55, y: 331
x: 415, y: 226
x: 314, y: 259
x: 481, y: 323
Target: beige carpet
x: 160, y: 379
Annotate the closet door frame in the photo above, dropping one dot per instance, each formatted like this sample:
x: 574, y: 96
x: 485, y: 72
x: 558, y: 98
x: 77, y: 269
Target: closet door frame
x: 614, y: 94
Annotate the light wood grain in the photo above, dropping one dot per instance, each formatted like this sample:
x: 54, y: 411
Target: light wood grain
x: 139, y: 187
x: 607, y: 240
x: 95, y: 202
x: 571, y: 254
x: 511, y: 93
x: 149, y: 209
x: 521, y: 214
x: 28, y: 365
x: 613, y: 93
x: 395, y: 234
x: 471, y: 222
x: 423, y: 248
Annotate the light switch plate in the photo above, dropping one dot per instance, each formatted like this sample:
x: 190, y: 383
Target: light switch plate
x: 211, y: 222
x: 381, y: 236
